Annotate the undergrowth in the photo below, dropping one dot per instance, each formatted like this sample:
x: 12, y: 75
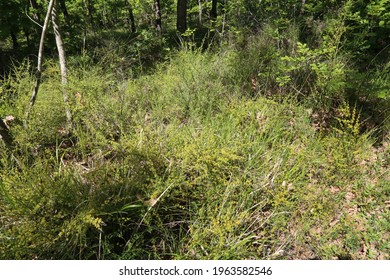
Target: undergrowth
x: 215, y: 155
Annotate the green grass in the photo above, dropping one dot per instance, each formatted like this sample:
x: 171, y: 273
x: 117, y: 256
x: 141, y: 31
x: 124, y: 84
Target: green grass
x: 188, y: 163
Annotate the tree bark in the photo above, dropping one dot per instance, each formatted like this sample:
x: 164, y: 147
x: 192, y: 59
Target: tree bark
x: 64, y: 10
x: 302, y: 7
x: 15, y: 43
x: 224, y: 17
x: 62, y: 60
x: 2, y: 64
x: 158, y: 21
x: 27, y: 36
x: 181, y: 20
x: 34, y: 5
x: 89, y: 6
x: 200, y: 11
x: 213, y: 12
x: 131, y: 17
x: 38, y: 74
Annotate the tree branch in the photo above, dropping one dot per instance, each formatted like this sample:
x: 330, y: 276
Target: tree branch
x: 38, y: 74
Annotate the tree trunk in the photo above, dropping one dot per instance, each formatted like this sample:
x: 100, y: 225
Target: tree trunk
x: 158, y: 21
x: 200, y: 11
x: 38, y: 74
x: 64, y: 10
x: 131, y: 18
x: 181, y: 20
x: 34, y: 5
x: 62, y: 60
x: 15, y: 43
x: 213, y: 12
x: 89, y: 6
x: 302, y: 7
x: 2, y: 64
x: 27, y: 35
x: 224, y: 17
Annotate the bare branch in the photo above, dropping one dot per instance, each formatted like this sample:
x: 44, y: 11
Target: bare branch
x: 61, y: 55
x: 37, y: 23
x: 38, y: 74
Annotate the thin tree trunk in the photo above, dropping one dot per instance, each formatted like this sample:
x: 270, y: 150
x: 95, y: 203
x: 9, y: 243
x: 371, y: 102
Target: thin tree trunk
x: 27, y: 35
x: 224, y: 17
x: 2, y: 64
x: 181, y: 20
x: 303, y: 7
x: 38, y: 74
x: 34, y: 5
x: 64, y: 10
x: 15, y: 43
x: 200, y: 11
x: 158, y: 21
x: 89, y: 6
x: 213, y: 12
x: 62, y: 60
x: 131, y: 17
x: 84, y: 39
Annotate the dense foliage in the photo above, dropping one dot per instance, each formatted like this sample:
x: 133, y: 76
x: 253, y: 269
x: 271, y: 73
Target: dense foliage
x: 231, y: 129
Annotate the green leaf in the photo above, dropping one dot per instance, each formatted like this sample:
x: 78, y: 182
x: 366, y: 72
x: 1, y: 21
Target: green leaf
x: 130, y: 206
